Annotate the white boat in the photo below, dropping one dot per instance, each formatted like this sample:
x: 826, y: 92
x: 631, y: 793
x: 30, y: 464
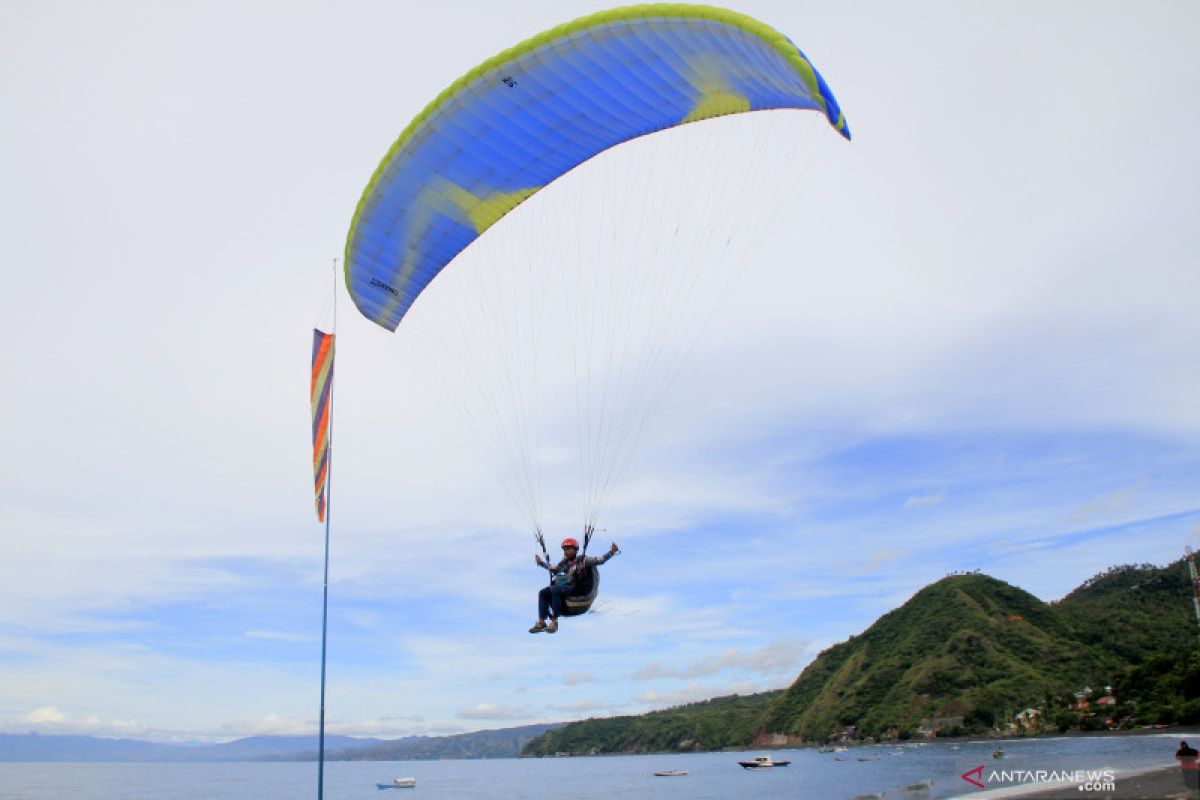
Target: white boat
x: 671, y: 773
x: 763, y: 762
x: 399, y: 783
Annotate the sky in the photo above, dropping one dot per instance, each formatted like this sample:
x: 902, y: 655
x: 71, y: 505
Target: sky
x: 964, y: 341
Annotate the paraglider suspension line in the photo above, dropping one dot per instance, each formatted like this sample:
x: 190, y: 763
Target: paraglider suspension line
x: 541, y: 540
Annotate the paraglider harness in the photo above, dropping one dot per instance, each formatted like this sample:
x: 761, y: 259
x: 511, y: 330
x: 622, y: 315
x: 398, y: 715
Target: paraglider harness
x: 585, y: 579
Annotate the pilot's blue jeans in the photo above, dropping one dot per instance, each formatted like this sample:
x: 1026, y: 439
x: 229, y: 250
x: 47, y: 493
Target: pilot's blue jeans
x: 550, y: 599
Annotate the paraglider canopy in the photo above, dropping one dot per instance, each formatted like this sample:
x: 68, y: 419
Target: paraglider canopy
x: 530, y: 114
x: 515, y: 126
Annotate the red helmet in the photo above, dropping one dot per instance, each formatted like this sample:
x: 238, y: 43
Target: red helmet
x: 569, y: 542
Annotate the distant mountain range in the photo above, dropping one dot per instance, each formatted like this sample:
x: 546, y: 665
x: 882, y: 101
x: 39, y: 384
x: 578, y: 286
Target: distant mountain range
x: 504, y: 743
x: 39, y: 747
x: 500, y: 743
x: 963, y: 656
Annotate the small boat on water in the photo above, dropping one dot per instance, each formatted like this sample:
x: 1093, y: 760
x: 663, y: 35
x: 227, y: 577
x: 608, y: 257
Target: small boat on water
x: 399, y: 783
x: 998, y: 753
x: 920, y: 786
x: 671, y: 773
x: 763, y: 762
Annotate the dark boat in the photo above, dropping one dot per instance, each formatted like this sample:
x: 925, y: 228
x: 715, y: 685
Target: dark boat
x: 763, y: 762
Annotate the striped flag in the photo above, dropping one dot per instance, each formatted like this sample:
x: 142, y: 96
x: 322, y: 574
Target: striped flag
x: 322, y: 379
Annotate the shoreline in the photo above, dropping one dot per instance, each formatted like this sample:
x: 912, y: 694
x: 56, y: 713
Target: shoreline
x: 1183, y: 732
x: 1151, y: 783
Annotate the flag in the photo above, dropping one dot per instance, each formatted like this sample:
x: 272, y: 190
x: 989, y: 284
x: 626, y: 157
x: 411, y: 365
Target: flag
x: 322, y: 380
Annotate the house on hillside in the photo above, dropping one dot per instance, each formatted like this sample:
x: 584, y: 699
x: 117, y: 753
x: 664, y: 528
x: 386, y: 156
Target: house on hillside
x: 1087, y: 697
x: 934, y: 725
x: 1029, y: 718
x: 846, y: 735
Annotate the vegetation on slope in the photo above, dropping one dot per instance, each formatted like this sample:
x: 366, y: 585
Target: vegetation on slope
x: 709, y: 725
x: 968, y: 646
x: 1131, y: 613
x: 1163, y: 689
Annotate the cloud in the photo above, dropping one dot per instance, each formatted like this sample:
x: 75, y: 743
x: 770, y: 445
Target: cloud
x: 47, y: 715
x: 52, y: 720
x: 881, y: 556
x: 1002, y: 547
x: 280, y: 725
x: 581, y: 707
x: 575, y: 678
x: 780, y: 656
x: 368, y: 620
x: 268, y: 725
x: 492, y: 711
x: 1108, y: 505
x: 692, y: 693
x: 652, y: 671
x: 925, y: 500
x: 279, y: 636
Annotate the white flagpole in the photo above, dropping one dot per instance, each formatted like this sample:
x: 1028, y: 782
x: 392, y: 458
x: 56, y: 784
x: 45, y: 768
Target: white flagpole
x: 328, y: 516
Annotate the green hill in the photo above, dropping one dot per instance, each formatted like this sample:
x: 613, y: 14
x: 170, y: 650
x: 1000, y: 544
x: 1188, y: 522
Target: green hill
x: 708, y: 725
x: 968, y: 646
x: 1130, y: 613
x: 963, y: 655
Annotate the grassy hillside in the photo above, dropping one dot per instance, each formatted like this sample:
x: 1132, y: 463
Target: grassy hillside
x: 709, y: 725
x: 968, y: 646
x: 1131, y: 613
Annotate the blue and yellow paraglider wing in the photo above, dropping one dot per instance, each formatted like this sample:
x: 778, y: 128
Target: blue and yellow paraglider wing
x: 525, y: 117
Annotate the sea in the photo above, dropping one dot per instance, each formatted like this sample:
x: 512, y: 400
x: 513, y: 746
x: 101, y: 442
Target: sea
x: 916, y: 771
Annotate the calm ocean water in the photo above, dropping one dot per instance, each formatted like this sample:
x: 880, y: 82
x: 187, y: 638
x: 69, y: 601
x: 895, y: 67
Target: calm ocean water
x: 711, y: 776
